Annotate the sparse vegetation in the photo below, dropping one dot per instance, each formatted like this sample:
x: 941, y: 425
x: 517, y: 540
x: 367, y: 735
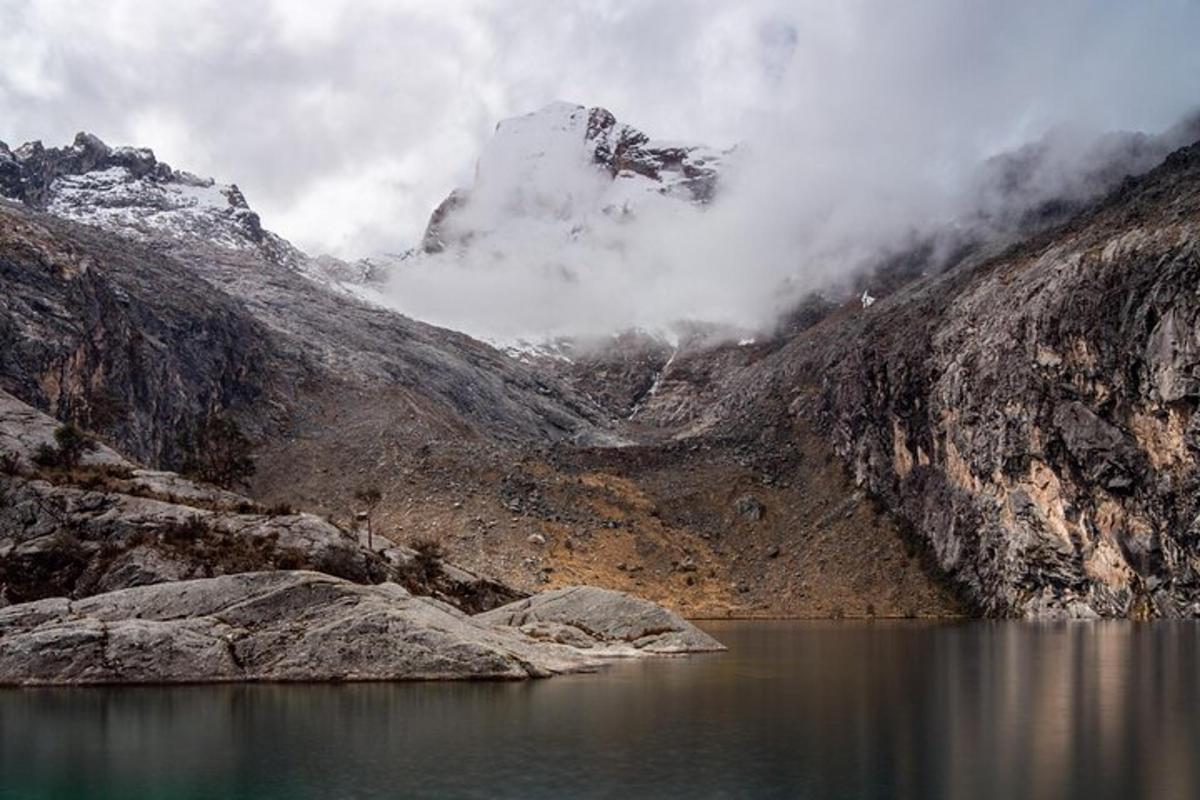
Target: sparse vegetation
x: 10, y: 463
x: 186, y: 531
x: 369, y: 497
x: 70, y: 445
x: 91, y: 482
x: 89, y: 477
x: 428, y: 562
x: 217, y: 452
x: 44, y: 455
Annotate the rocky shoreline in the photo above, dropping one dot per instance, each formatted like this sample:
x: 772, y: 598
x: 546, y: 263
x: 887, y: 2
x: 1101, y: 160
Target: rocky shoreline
x: 305, y: 626
x: 113, y: 574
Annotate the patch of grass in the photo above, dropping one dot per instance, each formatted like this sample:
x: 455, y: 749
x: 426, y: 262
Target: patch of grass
x: 90, y: 477
x: 190, y: 530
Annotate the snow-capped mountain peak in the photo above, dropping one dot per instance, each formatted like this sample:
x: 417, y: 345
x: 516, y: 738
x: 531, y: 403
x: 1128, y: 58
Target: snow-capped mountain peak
x: 129, y: 191
x: 565, y: 163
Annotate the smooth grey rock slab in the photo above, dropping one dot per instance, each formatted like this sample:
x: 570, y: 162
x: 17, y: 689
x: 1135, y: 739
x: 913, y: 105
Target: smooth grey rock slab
x: 606, y: 616
x: 263, y: 626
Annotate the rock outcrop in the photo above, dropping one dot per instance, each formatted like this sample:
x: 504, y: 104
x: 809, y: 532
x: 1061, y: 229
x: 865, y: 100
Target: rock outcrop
x: 107, y: 524
x: 264, y: 626
x: 304, y: 626
x: 590, y: 617
x: 307, y: 626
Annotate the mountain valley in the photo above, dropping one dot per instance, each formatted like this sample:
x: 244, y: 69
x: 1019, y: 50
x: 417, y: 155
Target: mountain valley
x: 1009, y: 429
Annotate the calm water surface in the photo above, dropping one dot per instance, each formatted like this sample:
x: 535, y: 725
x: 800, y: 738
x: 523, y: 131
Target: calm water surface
x: 795, y: 710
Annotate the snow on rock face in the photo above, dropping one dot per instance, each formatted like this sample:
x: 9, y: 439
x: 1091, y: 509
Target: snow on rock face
x: 114, y: 198
x: 561, y: 167
x: 128, y: 191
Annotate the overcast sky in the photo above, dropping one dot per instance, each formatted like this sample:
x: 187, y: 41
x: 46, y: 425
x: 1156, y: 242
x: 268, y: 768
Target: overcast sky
x: 345, y: 122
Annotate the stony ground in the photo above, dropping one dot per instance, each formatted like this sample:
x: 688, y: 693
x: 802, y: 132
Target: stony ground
x: 692, y: 525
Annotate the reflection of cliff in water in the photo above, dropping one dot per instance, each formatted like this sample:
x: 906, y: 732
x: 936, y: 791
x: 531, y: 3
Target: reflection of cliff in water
x: 822, y: 709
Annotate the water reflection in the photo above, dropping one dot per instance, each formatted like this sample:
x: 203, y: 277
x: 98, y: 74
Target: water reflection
x: 821, y: 710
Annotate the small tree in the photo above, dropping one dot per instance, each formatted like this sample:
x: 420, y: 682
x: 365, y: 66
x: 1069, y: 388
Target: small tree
x: 369, y: 497
x: 218, y: 452
x: 72, y: 444
x: 428, y: 559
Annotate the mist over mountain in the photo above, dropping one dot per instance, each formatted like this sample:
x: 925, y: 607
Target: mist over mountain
x: 355, y: 119
x: 579, y: 225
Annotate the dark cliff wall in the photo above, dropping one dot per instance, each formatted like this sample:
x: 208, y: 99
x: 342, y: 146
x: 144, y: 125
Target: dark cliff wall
x: 1032, y: 416
x: 123, y: 341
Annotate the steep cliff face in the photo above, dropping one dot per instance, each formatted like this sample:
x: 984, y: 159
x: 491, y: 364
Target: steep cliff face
x: 126, y: 341
x: 1031, y: 416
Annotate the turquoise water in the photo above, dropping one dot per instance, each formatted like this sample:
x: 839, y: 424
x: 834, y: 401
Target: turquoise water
x: 794, y: 710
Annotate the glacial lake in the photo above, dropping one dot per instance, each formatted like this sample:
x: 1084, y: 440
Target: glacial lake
x: 794, y: 710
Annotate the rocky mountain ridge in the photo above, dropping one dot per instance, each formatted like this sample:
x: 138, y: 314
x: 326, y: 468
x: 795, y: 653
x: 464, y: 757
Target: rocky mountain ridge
x: 1030, y: 414
x: 129, y: 190
x: 135, y: 342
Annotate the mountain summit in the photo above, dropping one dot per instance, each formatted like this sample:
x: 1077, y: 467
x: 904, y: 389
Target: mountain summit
x: 566, y: 165
x: 126, y: 188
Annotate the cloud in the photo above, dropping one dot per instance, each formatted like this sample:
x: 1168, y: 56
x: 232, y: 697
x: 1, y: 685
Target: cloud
x: 857, y: 124
x: 345, y: 123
